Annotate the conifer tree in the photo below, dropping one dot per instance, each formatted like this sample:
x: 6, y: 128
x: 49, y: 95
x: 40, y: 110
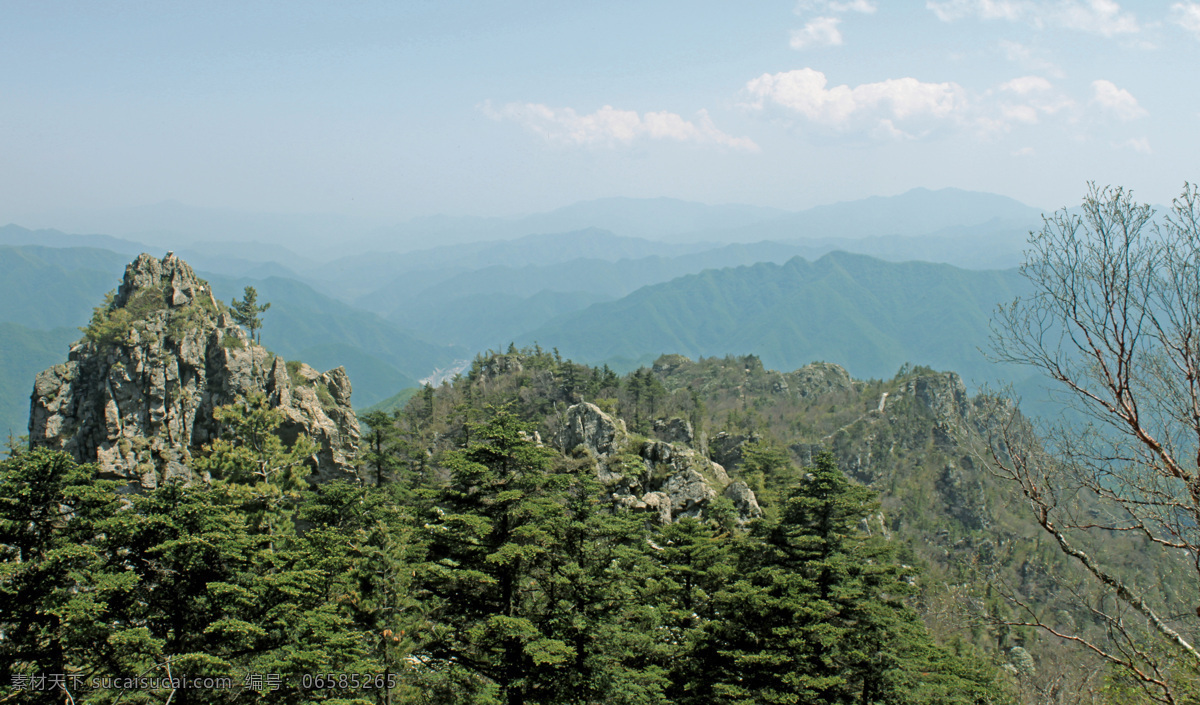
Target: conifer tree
x: 245, y: 312
x: 592, y: 595
x: 380, y: 443
x: 819, y: 614
x: 50, y: 511
x: 693, y: 562
x: 489, y: 537
x: 250, y: 452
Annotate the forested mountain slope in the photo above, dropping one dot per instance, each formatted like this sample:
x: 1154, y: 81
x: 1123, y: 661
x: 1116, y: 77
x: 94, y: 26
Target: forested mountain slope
x: 868, y: 315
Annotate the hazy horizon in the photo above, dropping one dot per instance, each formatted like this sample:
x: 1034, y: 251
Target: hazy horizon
x: 386, y: 112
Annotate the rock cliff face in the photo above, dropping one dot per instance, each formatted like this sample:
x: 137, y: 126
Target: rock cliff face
x: 669, y: 480
x: 137, y: 393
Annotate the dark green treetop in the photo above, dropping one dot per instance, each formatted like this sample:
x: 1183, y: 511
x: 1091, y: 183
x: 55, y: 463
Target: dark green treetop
x: 819, y: 614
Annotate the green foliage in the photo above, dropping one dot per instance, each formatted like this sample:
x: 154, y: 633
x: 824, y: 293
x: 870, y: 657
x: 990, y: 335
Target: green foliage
x: 109, y: 324
x: 199, y: 581
x: 490, y: 534
x: 380, y: 438
x: 250, y: 451
x: 49, y: 506
x: 232, y: 342
x: 817, y: 613
x: 484, y: 567
x: 245, y: 312
x: 768, y: 470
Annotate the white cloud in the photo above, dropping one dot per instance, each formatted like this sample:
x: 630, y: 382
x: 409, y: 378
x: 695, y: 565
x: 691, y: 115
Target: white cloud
x: 952, y: 10
x: 1026, y: 100
x: 1026, y: 85
x: 1118, y: 101
x: 1187, y: 15
x: 895, y: 107
x: 1141, y: 145
x: 864, y: 6
x: 610, y: 127
x: 1019, y: 113
x: 907, y: 108
x: 822, y: 31
x: 1102, y: 17
x: 1020, y: 54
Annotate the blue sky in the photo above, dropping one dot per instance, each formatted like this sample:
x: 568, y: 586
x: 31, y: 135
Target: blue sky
x: 389, y: 110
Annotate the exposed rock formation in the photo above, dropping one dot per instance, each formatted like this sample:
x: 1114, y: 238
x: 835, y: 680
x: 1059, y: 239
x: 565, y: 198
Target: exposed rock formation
x: 587, y: 425
x: 943, y: 394
x: 137, y: 393
x: 743, y: 499
x: 675, y: 430
x: 669, y: 480
x: 727, y: 449
x: 822, y: 378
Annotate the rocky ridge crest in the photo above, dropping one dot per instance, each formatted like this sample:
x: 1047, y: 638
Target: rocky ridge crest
x: 669, y: 480
x: 137, y: 393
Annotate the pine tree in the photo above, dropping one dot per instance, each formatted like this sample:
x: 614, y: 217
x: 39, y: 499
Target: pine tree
x: 596, y: 568
x: 380, y: 441
x: 819, y: 614
x: 51, y: 510
x: 249, y: 450
x: 245, y: 312
x: 693, y: 562
x: 489, y: 538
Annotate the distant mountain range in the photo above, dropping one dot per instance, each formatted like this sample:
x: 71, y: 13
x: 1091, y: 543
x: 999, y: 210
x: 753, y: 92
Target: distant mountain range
x: 613, y: 280
x: 864, y: 314
x: 319, y: 239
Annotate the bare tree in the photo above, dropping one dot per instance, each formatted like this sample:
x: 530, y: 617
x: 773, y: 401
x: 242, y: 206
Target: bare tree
x: 1114, y: 320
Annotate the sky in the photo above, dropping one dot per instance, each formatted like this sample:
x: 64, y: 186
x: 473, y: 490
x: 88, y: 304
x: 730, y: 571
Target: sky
x: 393, y: 110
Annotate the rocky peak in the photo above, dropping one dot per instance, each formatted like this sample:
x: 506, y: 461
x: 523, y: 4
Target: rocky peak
x: 169, y: 277
x: 137, y: 394
x: 667, y: 479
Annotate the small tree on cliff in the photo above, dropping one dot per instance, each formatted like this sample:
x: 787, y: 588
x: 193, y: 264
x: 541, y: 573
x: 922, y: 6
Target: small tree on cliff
x: 246, y: 311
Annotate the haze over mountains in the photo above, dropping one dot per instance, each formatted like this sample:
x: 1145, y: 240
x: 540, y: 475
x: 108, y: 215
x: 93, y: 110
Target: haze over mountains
x: 615, y: 281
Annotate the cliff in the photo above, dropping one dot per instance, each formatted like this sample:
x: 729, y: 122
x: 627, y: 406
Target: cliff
x: 137, y: 393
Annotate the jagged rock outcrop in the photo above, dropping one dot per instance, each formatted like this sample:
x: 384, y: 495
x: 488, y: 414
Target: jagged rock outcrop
x: 586, y: 425
x: 727, y: 448
x: 137, y: 394
x: 669, y: 480
x: 943, y: 394
x: 674, y: 430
